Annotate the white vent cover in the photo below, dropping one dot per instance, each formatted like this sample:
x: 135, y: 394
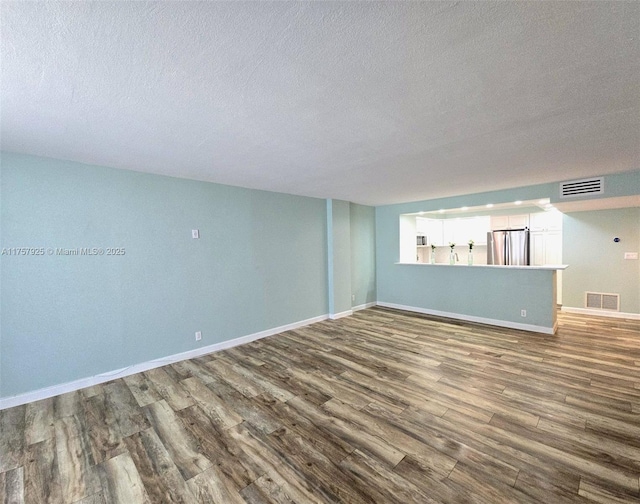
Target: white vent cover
x: 582, y: 187
x: 602, y: 301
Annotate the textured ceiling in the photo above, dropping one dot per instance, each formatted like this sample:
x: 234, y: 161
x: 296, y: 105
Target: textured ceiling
x: 372, y: 102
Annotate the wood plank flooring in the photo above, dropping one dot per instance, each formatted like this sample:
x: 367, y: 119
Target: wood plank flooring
x: 381, y: 407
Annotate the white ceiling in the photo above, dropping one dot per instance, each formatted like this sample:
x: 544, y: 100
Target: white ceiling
x: 372, y: 102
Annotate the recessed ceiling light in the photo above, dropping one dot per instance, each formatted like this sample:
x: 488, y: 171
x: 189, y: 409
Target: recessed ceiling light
x: 517, y: 202
x: 490, y: 205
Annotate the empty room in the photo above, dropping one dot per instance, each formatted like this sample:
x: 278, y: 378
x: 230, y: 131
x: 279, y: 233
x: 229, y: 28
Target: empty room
x: 319, y: 252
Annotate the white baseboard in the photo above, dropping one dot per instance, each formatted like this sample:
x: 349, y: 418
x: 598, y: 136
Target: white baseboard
x: 63, y: 388
x: 335, y: 316
x: 363, y: 306
x: 602, y: 313
x: 471, y: 318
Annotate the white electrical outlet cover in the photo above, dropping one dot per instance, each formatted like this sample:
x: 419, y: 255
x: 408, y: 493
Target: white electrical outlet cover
x: 195, y: 233
x: 630, y: 255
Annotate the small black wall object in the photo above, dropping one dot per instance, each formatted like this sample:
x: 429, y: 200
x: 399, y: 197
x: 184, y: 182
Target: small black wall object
x: 616, y: 239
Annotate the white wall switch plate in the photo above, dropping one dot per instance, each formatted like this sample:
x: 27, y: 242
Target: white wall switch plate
x: 630, y: 255
x: 195, y: 233
x: 523, y: 313
x: 198, y: 335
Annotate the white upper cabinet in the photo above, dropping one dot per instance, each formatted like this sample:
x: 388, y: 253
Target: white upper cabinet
x: 518, y: 221
x: 422, y: 225
x: 546, y: 221
x: 509, y: 221
x: 477, y: 228
x: 441, y: 232
x: 470, y: 228
x: 461, y: 230
x: 499, y: 222
x: 431, y: 228
x: 434, y: 231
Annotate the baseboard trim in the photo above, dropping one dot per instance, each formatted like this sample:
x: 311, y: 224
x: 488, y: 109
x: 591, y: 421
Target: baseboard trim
x: 63, y: 388
x: 601, y: 313
x: 471, y: 318
x: 363, y: 306
x: 335, y: 316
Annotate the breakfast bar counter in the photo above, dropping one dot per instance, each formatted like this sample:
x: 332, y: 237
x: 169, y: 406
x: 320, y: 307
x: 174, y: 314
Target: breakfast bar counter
x: 518, y: 297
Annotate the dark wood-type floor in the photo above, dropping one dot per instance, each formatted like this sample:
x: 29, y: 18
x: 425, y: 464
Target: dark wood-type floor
x: 383, y: 406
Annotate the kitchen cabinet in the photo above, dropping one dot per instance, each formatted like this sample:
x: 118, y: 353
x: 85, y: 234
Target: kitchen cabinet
x: 435, y: 232
x: 441, y: 232
x: 477, y: 229
x: 432, y: 229
x: 421, y: 225
x: 546, y: 249
x: 509, y: 221
x: 545, y: 221
x: 461, y: 230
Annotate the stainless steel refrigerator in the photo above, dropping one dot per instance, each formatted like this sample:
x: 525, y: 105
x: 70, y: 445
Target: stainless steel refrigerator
x: 508, y: 247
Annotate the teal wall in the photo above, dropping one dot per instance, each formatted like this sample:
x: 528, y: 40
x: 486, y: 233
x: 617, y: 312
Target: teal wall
x: 597, y: 262
x: 339, y: 253
x: 363, y: 254
x: 351, y: 255
x: 261, y: 262
x: 615, y: 185
x: 474, y: 291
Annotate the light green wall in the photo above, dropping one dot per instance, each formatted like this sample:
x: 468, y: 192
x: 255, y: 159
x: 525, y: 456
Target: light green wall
x: 363, y: 254
x: 596, y: 262
x: 339, y: 252
x: 261, y: 262
x: 615, y: 185
x: 476, y: 291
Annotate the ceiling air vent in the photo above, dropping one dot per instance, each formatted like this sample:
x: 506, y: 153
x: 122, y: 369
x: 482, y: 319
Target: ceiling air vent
x: 582, y: 187
x: 602, y: 301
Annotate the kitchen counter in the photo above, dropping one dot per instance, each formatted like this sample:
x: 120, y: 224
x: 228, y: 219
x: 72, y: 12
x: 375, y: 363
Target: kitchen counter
x: 518, y: 297
x: 554, y: 267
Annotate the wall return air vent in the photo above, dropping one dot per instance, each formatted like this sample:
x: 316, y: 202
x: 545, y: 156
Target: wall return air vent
x: 582, y: 187
x: 602, y: 301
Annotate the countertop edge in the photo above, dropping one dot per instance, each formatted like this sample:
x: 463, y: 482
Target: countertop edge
x: 500, y: 266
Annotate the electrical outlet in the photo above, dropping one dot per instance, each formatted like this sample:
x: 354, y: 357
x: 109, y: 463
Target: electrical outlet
x: 353, y: 297
x: 630, y: 255
x: 195, y: 233
x: 523, y: 313
x: 198, y: 335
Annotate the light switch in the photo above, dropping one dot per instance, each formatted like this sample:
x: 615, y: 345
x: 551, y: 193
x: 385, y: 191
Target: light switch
x: 195, y: 233
x: 630, y: 255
